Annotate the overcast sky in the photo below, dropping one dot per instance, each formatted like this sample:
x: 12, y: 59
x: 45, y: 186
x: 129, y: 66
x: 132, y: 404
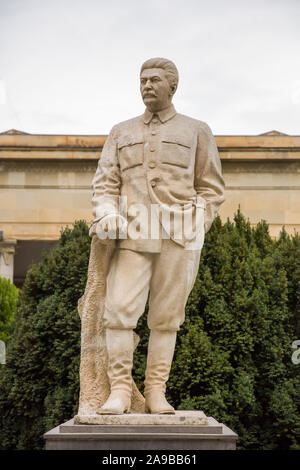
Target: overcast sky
x: 72, y: 66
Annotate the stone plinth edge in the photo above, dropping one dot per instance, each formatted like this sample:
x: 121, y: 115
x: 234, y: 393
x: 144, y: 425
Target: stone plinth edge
x: 184, y: 435
x: 180, y: 418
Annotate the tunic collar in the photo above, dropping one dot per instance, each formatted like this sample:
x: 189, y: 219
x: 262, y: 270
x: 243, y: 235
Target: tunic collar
x: 163, y: 115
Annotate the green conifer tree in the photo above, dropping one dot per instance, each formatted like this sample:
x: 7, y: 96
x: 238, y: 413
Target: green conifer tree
x: 8, y: 307
x: 233, y: 354
x: 40, y: 385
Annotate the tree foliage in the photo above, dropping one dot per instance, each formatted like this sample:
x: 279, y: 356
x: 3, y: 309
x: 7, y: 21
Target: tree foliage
x: 233, y: 353
x: 39, y: 385
x: 8, y: 307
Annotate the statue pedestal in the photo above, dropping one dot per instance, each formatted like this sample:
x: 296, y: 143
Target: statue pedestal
x: 186, y: 430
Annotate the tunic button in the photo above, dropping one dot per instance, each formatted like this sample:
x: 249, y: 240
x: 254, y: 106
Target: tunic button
x: 153, y: 133
x: 155, y: 121
x: 152, y: 165
x: 152, y: 149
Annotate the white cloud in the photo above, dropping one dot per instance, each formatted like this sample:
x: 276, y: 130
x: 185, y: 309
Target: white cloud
x: 2, y: 92
x: 71, y: 66
x: 295, y: 92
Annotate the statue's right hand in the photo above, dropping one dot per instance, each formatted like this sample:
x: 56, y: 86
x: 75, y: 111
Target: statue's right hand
x: 111, y: 226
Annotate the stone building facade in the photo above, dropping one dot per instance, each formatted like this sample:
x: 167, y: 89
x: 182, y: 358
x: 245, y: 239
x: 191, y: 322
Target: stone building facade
x: 45, y: 184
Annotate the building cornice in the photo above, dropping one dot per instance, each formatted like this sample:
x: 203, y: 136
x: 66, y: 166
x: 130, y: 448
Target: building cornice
x: 88, y: 147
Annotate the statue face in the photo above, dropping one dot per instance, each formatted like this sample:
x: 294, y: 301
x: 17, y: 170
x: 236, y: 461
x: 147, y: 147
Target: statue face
x: 155, y: 89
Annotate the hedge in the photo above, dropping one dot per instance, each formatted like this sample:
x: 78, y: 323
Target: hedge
x: 233, y: 353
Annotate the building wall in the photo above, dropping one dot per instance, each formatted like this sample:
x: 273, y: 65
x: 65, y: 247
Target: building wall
x: 45, y: 181
x: 268, y: 190
x: 38, y: 197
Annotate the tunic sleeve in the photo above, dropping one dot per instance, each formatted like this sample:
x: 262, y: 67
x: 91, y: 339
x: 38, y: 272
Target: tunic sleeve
x: 209, y: 183
x: 107, y: 180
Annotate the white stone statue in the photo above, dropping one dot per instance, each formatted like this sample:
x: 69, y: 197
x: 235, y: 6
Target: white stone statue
x: 157, y: 189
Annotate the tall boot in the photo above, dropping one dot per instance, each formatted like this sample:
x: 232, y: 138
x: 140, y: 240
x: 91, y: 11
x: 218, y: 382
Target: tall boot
x: 119, y: 345
x: 159, y: 360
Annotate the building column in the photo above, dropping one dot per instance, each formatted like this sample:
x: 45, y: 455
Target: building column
x: 7, y: 252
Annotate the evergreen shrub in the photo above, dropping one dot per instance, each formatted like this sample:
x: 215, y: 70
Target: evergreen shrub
x: 233, y: 353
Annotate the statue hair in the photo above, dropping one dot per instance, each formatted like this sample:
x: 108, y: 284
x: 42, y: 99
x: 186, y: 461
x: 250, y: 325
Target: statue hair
x: 165, y: 64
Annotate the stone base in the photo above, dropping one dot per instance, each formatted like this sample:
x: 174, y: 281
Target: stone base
x: 182, y: 418
x: 186, y: 430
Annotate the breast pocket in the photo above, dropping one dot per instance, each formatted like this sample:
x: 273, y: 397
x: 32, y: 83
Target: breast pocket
x: 176, y: 151
x: 131, y: 152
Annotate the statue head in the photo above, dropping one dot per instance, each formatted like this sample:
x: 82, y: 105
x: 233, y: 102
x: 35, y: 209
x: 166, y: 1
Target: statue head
x: 158, y: 83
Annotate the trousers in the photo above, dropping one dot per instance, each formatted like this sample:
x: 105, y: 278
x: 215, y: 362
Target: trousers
x: 166, y: 277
